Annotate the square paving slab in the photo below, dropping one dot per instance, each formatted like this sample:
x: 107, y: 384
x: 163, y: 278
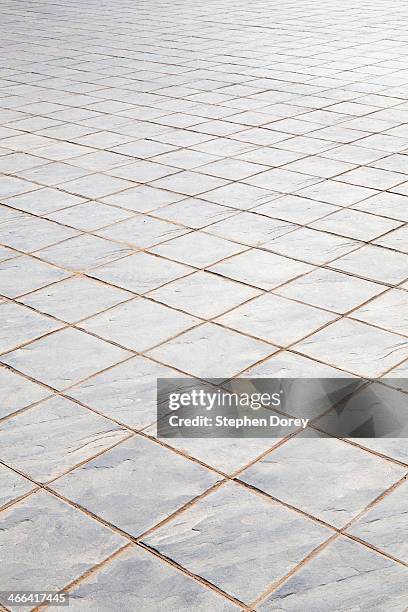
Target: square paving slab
x: 200, y: 190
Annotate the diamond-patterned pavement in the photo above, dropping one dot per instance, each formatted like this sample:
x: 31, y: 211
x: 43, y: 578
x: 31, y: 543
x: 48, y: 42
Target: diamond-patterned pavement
x: 212, y: 190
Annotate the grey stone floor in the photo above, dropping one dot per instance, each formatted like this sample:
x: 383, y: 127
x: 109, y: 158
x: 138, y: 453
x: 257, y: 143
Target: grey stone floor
x: 207, y: 189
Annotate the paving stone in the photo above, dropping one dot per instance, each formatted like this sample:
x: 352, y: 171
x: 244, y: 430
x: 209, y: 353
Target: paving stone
x: 6, y: 254
x: 240, y: 195
x: 372, y: 177
x: 189, y: 183
x: 61, y: 359
x: 311, y: 246
x: 227, y: 455
x: 75, y: 299
x: 386, y: 204
x: 331, y: 290
x: 232, y: 169
x: 12, y: 186
x: 30, y: 233
x: 139, y: 324
x: 195, y: 213
x: 126, y: 582
x: 324, y: 477
x: 342, y: 576
x: 143, y: 171
x: 339, y: 194
x: 96, y: 185
x: 53, y: 173
x: 383, y: 524
x: 43, y: 201
x: 356, y: 347
x: 396, y: 240
x: 135, y: 485
x: 260, y: 268
x: 204, y: 295
x: 295, y: 209
x: 54, y: 436
x: 198, y: 249
x: 355, y: 224
x: 17, y: 392
x: 13, y: 486
x: 21, y: 325
x: 375, y: 263
x: 142, y: 231
x: 235, y: 351
x: 83, y: 252
x: 43, y: 540
x: 281, y: 180
x: 126, y: 392
x: 388, y: 311
x: 89, y: 216
x: 291, y: 365
x: 221, y: 539
x: 20, y: 275
x: 142, y: 198
x: 155, y: 182
x: 272, y: 318
x: 141, y: 272
x: 251, y: 229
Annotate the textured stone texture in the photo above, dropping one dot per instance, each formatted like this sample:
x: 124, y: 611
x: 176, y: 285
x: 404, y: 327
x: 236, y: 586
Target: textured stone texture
x: 135, y: 485
x: 211, y: 190
x: 342, y: 577
x: 126, y: 584
x: 238, y: 540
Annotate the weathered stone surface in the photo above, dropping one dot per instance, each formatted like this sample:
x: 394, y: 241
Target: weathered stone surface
x: 126, y: 584
x: 238, y: 540
x: 135, y: 485
x: 343, y: 577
